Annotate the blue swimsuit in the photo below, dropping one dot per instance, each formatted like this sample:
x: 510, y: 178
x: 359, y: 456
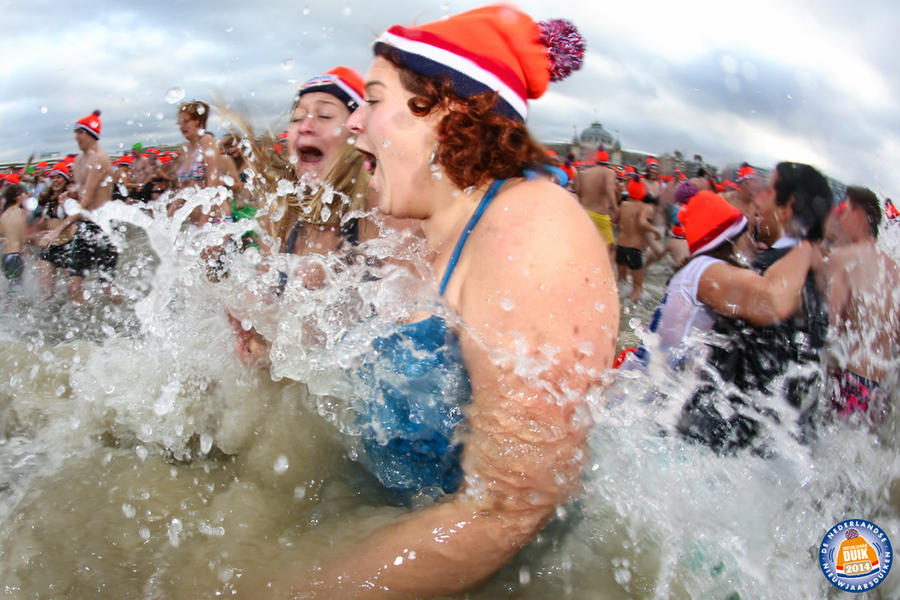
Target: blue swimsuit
x: 420, y: 385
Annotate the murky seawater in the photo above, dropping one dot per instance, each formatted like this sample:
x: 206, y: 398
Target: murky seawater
x: 140, y: 459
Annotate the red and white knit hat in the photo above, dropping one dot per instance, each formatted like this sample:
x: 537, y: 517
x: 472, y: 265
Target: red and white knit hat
x: 493, y: 48
x: 60, y: 169
x: 90, y: 123
x: 343, y: 83
x: 710, y: 221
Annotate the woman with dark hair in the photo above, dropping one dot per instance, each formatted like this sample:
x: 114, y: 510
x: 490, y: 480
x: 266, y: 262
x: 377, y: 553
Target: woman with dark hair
x: 51, y: 213
x: 520, y: 262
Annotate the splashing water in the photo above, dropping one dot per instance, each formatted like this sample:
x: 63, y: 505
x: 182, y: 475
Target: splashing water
x: 174, y: 95
x: 139, y: 456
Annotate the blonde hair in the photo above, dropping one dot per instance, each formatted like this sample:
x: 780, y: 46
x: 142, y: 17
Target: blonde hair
x: 342, y: 191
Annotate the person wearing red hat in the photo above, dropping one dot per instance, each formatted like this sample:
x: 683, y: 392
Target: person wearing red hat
x: 772, y: 327
x: 323, y: 161
x: 521, y: 264
x: 92, y: 179
x: 862, y: 290
x: 715, y: 282
x: 332, y: 182
x: 596, y: 188
x: 50, y: 215
x: 635, y: 227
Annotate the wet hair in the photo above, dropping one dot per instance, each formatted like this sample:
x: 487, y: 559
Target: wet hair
x: 196, y: 110
x: 475, y: 142
x: 866, y: 199
x: 811, y: 194
x: 11, y: 193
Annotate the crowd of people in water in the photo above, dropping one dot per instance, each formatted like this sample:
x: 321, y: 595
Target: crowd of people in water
x: 767, y: 272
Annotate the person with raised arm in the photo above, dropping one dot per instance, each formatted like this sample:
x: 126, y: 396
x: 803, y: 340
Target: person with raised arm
x: 92, y: 176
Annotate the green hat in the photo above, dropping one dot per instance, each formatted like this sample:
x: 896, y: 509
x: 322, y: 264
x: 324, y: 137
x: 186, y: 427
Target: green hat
x: 137, y: 146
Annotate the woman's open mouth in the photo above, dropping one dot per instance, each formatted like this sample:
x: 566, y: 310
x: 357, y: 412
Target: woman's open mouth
x: 370, y: 162
x: 310, y: 154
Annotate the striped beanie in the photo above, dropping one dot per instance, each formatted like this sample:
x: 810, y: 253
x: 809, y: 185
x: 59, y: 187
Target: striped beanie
x: 341, y: 82
x: 60, y: 169
x: 710, y: 221
x: 492, y: 48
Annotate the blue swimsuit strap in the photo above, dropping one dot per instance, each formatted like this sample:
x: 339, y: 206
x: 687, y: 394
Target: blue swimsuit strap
x: 485, y: 200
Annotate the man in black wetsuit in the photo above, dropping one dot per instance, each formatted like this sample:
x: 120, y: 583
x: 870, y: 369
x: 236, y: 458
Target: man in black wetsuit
x: 793, y: 206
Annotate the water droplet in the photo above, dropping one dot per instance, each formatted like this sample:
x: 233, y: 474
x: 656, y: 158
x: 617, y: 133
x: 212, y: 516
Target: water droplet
x: 507, y: 304
x: 229, y: 29
x: 287, y: 63
x: 129, y: 511
x: 281, y: 464
x: 175, y: 94
x: 305, y: 10
x: 300, y: 492
x: 43, y: 110
x: 174, y: 531
x: 524, y: 576
x: 600, y: 306
x: 159, y: 116
x: 144, y: 532
x: 142, y: 453
x: 634, y: 322
x: 206, y: 442
x: 347, y: 10
x: 387, y: 143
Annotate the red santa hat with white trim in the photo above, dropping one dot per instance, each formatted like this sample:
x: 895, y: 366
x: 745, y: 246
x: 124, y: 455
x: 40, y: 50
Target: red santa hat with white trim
x: 90, y: 124
x: 492, y: 48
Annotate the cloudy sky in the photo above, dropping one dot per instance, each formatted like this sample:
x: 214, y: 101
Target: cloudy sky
x: 805, y: 80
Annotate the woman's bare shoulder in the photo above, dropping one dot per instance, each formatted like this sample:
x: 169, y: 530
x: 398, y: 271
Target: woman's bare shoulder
x: 537, y: 212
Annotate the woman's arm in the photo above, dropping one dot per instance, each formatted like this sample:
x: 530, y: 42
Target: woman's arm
x: 210, y: 154
x: 758, y: 299
x: 544, y: 318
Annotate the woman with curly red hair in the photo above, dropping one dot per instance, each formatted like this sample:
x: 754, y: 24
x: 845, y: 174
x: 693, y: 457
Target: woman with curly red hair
x: 519, y: 261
